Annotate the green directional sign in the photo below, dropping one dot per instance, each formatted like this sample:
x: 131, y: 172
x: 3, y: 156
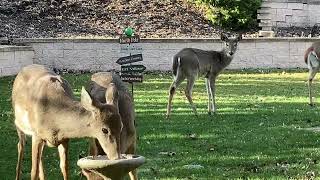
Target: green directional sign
x: 133, y: 68
x: 132, y: 77
x: 129, y: 59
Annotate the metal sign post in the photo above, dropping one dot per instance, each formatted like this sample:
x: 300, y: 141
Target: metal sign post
x: 130, y: 73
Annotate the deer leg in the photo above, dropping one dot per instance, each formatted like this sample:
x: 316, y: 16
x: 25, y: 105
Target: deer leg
x: 36, y: 151
x: 172, y: 91
x: 41, y: 170
x: 188, y: 92
x: 176, y: 82
x: 209, y: 96
x: 91, y: 175
x: 21, y: 145
x: 212, y: 84
x: 93, y: 147
x: 132, y: 174
x: 63, y: 154
x: 312, y: 73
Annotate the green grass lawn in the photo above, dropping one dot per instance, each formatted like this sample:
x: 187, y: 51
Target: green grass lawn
x: 256, y: 134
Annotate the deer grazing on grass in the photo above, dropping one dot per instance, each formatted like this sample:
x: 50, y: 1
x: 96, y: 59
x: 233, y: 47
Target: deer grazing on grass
x: 45, y: 108
x: 191, y: 62
x: 102, y: 87
x: 311, y: 58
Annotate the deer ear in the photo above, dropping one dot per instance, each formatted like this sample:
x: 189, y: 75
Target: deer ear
x: 86, y: 100
x: 112, y: 95
x: 223, y: 37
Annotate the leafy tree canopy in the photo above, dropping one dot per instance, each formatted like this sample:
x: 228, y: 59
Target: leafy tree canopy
x: 232, y: 14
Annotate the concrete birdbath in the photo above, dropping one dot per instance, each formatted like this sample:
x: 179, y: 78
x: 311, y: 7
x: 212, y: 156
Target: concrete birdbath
x: 111, y: 169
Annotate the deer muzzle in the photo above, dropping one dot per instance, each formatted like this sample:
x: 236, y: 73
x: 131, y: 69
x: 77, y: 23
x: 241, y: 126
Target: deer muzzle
x: 111, y: 148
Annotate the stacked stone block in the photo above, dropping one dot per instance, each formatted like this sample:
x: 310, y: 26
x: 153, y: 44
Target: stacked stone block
x: 287, y: 13
x: 13, y: 58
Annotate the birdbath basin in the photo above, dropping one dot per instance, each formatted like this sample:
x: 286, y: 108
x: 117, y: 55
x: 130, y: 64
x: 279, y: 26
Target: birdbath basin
x: 111, y: 169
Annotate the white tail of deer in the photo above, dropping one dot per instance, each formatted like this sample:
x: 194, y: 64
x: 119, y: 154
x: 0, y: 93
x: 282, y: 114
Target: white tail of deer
x: 191, y: 62
x: 108, y: 87
x: 45, y: 108
x: 311, y: 58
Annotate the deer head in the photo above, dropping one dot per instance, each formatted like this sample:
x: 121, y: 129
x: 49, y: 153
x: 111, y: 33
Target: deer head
x: 230, y: 45
x: 107, y: 125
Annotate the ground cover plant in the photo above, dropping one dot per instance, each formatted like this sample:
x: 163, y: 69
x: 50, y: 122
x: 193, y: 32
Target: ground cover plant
x: 258, y: 132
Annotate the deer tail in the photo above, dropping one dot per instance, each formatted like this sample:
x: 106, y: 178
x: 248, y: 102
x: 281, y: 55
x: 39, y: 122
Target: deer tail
x: 306, y: 54
x: 175, y: 65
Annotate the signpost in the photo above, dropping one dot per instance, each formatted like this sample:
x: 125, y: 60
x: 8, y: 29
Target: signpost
x: 128, y: 40
x: 133, y: 68
x: 130, y: 73
x: 129, y: 59
x: 132, y: 78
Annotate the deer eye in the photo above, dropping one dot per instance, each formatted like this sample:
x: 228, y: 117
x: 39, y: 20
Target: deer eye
x: 105, y: 130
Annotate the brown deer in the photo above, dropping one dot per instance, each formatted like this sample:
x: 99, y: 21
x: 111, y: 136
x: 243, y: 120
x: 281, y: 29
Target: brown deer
x: 191, y: 62
x: 102, y: 86
x: 311, y: 58
x: 45, y: 108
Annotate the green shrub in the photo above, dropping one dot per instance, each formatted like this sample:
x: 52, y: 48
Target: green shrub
x: 232, y: 14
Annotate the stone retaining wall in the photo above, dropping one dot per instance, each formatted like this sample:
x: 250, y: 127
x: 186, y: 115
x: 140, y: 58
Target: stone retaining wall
x: 102, y: 54
x: 287, y: 13
x: 13, y: 58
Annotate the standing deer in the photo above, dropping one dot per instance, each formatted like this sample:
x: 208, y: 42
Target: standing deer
x: 102, y: 86
x: 311, y: 58
x: 190, y: 62
x: 46, y: 110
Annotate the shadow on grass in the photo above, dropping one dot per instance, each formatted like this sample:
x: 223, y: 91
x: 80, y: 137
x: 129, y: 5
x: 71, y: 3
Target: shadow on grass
x: 236, y: 144
x: 262, y: 142
x: 232, y: 89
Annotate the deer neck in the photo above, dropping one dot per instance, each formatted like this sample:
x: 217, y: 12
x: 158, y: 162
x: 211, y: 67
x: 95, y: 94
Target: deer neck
x: 226, y: 58
x: 72, y: 121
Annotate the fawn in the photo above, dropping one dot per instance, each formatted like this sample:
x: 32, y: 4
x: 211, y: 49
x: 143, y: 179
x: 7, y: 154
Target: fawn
x: 191, y: 62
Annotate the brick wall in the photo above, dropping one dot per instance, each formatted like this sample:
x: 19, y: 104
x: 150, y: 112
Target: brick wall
x: 287, y: 13
x: 13, y: 58
x: 102, y: 54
